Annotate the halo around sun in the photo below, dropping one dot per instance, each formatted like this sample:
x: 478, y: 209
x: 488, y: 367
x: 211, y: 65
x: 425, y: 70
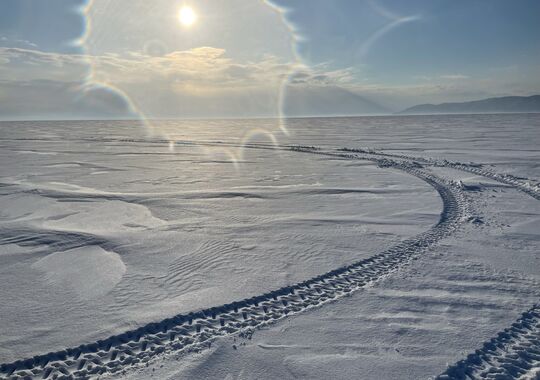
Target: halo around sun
x: 187, y: 16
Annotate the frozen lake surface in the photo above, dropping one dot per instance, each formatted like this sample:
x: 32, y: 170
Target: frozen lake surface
x: 107, y: 226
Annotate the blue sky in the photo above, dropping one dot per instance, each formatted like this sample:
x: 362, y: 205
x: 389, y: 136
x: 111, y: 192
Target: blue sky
x: 50, y: 25
x: 443, y: 36
x: 241, y: 55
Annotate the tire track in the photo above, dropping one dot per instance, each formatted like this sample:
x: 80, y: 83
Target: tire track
x: 528, y: 186
x: 513, y: 354
x: 193, y: 330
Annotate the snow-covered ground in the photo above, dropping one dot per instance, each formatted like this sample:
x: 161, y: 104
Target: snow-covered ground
x: 105, y: 228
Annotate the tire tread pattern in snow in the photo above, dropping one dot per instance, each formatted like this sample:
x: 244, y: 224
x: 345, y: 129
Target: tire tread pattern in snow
x: 194, y: 330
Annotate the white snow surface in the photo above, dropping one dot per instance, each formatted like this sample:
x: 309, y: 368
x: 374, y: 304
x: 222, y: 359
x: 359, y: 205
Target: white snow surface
x: 104, y: 228
x: 89, y: 271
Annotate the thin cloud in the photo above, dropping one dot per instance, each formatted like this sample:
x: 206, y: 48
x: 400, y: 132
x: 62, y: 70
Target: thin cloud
x: 454, y: 76
x: 190, y: 82
x: 15, y: 42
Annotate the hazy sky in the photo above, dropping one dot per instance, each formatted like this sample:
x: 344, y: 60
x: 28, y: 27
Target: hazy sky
x: 108, y: 58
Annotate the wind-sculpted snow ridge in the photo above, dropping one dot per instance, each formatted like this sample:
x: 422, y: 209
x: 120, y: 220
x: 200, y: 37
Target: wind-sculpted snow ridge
x: 513, y: 354
x: 192, y: 331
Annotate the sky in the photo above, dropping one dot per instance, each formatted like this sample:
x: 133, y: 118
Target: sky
x: 246, y: 58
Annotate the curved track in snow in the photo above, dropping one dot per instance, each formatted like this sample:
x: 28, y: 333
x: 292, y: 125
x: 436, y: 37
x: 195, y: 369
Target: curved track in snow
x: 513, y: 354
x: 194, y: 330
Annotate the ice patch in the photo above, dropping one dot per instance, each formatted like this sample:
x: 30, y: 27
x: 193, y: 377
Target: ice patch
x: 89, y: 271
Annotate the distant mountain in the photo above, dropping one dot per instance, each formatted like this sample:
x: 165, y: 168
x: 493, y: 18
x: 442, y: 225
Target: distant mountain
x: 491, y: 105
x: 327, y: 101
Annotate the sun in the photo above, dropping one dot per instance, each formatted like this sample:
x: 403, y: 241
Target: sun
x: 187, y: 16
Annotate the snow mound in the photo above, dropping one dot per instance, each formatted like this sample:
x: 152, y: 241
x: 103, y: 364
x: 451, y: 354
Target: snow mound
x: 90, y: 271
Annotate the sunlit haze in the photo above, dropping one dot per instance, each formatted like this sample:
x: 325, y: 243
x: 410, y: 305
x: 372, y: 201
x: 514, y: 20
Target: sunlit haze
x: 241, y: 58
x: 187, y: 16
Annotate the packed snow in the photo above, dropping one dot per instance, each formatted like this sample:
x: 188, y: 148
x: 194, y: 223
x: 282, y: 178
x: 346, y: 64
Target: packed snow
x: 107, y: 226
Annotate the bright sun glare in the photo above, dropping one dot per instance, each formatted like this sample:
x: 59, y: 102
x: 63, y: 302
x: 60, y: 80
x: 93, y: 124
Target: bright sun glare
x: 187, y: 16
